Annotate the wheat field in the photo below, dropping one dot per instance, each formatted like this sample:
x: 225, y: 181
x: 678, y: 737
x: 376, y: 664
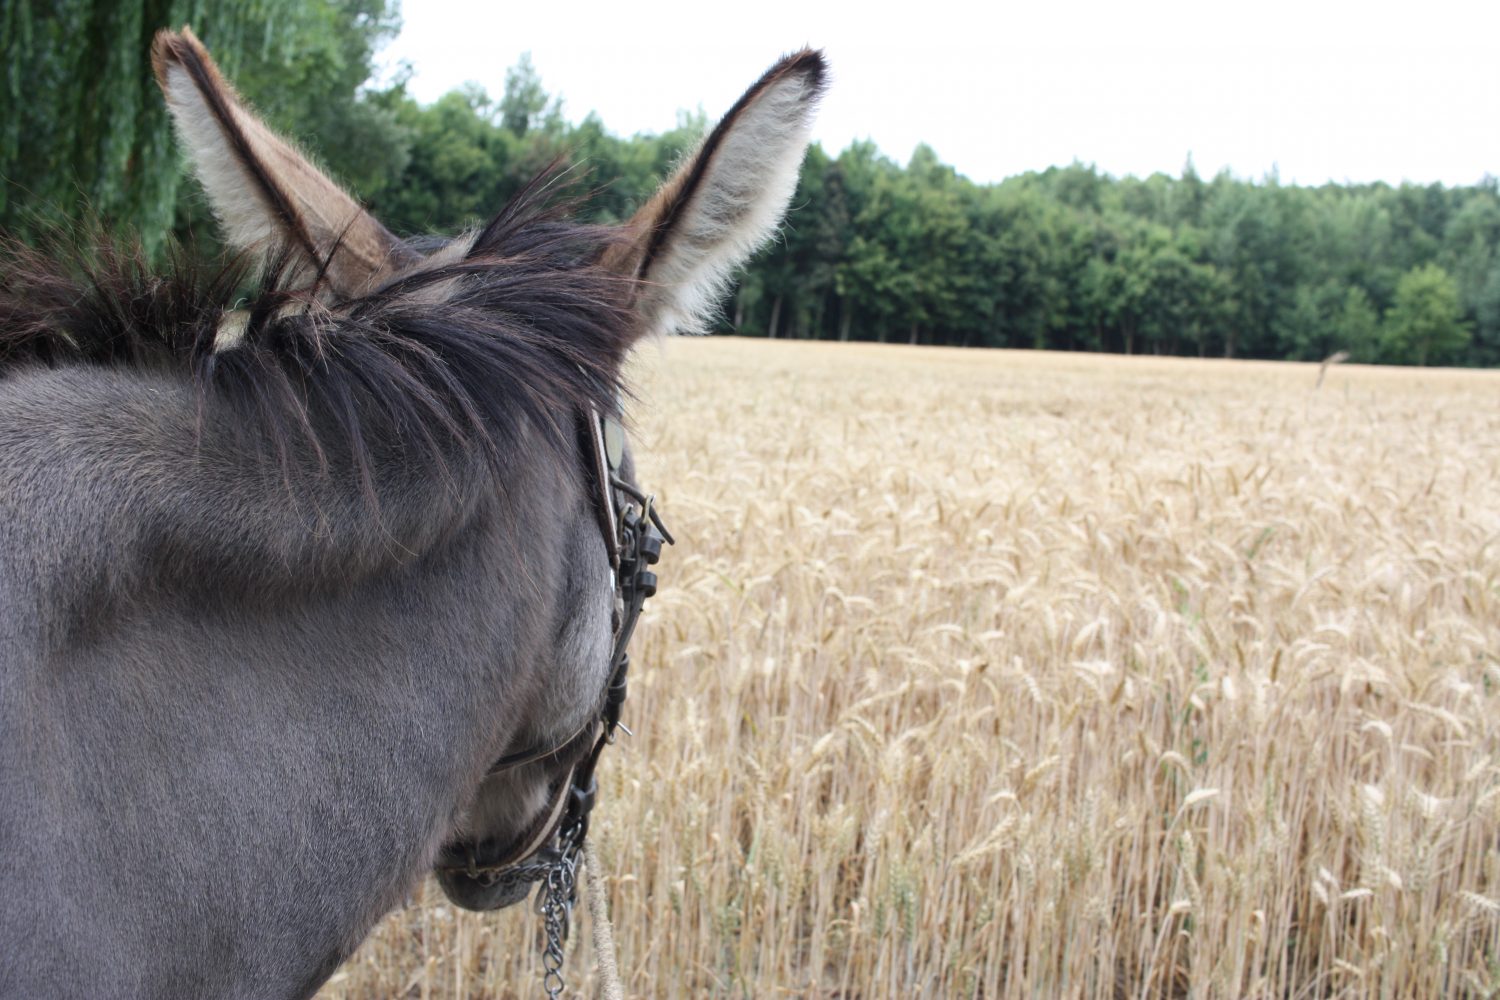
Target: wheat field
x: 1009, y: 674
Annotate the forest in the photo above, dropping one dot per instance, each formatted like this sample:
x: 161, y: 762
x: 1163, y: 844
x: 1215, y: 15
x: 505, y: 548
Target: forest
x: 1066, y: 258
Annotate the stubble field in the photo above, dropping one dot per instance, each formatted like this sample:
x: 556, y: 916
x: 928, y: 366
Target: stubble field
x: 1002, y: 674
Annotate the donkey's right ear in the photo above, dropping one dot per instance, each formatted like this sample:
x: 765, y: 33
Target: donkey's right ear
x: 723, y: 202
x: 263, y: 191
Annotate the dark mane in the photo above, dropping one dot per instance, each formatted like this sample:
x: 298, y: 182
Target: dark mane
x: 521, y: 331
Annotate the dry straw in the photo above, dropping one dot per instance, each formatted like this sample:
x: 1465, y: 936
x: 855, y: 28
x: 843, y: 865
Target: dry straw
x: 994, y: 674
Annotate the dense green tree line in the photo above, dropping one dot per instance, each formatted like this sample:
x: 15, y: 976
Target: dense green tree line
x: 1067, y: 258
x: 1070, y: 258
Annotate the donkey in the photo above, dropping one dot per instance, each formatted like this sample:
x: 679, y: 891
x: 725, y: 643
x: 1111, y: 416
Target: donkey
x: 284, y: 572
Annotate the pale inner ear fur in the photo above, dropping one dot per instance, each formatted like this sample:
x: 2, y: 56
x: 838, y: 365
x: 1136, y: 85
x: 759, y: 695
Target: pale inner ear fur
x: 724, y: 201
x: 264, y: 191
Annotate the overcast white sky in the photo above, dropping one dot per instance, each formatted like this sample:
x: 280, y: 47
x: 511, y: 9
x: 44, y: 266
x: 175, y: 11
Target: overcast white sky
x: 1321, y: 91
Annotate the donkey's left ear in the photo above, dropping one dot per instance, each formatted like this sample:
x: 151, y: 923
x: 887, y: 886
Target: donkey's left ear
x: 723, y: 202
x: 264, y: 192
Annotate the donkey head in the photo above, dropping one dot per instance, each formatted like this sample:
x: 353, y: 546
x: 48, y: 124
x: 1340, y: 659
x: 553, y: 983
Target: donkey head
x: 665, y: 270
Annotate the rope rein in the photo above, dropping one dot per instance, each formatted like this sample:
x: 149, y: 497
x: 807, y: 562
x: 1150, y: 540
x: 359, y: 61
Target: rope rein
x: 604, y: 931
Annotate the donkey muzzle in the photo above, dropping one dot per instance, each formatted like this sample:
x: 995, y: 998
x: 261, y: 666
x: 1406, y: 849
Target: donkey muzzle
x: 484, y: 891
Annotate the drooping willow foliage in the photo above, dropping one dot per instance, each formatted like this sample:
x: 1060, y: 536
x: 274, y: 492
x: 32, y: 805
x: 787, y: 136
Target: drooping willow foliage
x: 84, y: 132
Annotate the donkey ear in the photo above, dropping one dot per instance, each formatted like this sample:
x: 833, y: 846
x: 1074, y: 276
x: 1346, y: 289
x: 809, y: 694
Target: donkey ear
x: 723, y: 202
x: 263, y: 191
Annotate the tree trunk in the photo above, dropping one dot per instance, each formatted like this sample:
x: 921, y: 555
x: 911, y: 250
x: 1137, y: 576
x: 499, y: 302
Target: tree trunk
x: 846, y: 319
x: 913, y: 334
x: 775, y: 317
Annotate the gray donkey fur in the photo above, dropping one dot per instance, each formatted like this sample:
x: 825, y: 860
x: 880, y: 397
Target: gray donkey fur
x: 279, y: 582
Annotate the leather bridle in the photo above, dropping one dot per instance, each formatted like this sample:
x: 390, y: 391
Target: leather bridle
x: 633, y: 535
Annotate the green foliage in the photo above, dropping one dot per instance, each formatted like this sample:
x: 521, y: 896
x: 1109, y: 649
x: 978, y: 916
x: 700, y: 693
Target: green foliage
x: 524, y: 105
x: 84, y: 129
x: 1066, y: 258
x: 1424, y: 324
x: 1357, y: 326
x: 456, y: 167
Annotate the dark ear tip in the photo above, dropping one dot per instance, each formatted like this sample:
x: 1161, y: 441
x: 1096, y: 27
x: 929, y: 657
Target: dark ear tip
x: 164, y: 51
x: 174, y: 47
x: 810, y: 64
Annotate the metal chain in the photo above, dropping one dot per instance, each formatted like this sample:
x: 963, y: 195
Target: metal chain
x: 557, y: 906
x: 641, y: 534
